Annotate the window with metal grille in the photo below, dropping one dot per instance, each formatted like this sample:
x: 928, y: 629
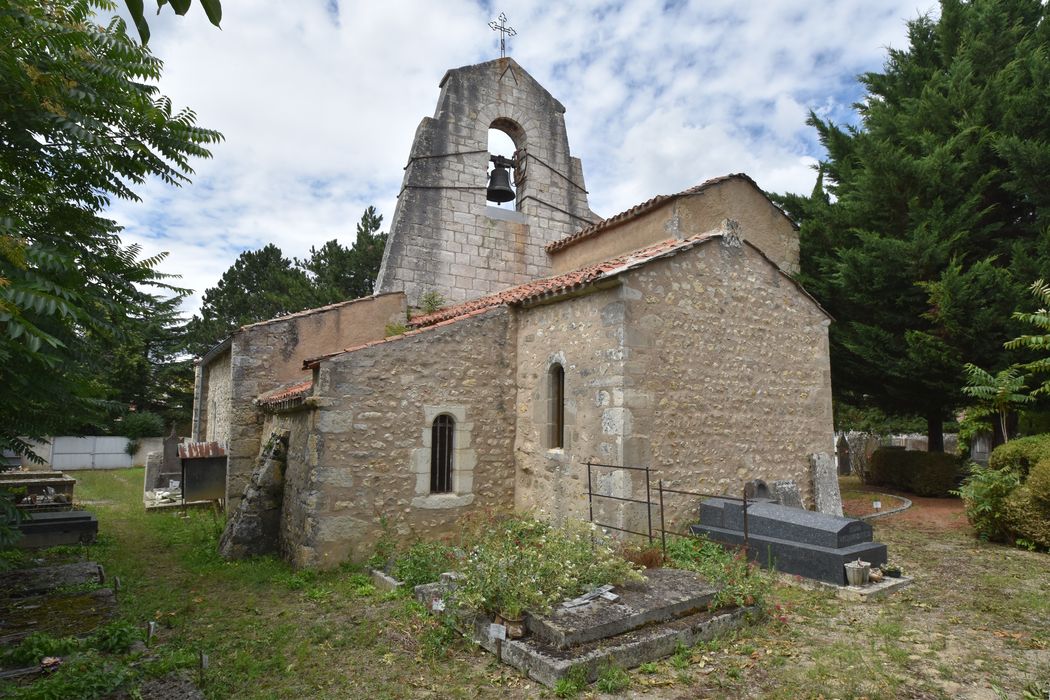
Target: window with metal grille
x: 556, y: 407
x: 441, y: 435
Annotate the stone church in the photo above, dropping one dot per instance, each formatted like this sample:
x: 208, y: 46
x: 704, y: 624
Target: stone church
x: 671, y: 336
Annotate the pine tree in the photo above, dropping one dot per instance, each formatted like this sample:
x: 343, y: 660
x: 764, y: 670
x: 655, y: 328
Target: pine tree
x: 932, y: 217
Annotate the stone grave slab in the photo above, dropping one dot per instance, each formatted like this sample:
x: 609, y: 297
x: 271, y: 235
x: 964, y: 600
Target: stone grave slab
x: 43, y: 579
x: 806, y: 543
x: 667, y: 594
x: 53, y: 529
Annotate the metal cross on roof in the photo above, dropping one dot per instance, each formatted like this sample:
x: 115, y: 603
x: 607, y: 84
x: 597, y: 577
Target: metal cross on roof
x: 504, y: 32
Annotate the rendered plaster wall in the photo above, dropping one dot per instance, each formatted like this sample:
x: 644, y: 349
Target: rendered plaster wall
x: 734, y: 198
x: 727, y: 375
x: 585, y: 335
x: 444, y: 237
x: 269, y: 354
x: 363, y: 460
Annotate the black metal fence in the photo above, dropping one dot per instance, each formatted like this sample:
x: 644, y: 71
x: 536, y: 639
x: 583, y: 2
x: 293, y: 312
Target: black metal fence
x: 662, y: 491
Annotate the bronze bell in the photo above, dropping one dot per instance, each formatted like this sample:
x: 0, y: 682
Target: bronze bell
x: 499, y: 189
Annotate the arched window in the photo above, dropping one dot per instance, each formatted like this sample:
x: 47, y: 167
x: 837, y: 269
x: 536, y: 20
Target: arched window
x: 556, y: 407
x: 441, y: 435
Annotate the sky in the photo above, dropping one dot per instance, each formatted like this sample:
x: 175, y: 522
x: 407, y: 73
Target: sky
x: 319, y: 100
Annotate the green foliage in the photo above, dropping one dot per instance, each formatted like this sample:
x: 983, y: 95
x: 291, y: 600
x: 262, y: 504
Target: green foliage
x: 141, y: 424
x: 212, y: 8
x: 930, y: 217
x: 263, y: 284
x: 741, y: 582
x: 1038, y: 483
x: 1039, y: 344
x: 10, y: 516
x: 423, y: 562
x: 81, y: 122
x: 984, y: 494
x: 873, y: 420
x: 385, y: 546
x: 572, y: 683
x: 922, y: 473
x: 613, y: 679
x: 431, y: 302
x: 1027, y: 517
x: 393, y: 329
x: 1020, y: 455
x: 260, y: 285
x: 997, y: 394
x: 85, y: 675
x: 519, y: 564
x: 114, y: 638
x: 340, y: 273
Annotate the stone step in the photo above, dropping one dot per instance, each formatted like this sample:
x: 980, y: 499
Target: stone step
x: 666, y: 595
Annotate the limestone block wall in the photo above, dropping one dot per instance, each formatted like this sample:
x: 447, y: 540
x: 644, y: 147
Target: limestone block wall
x: 266, y: 355
x: 727, y: 374
x: 371, y: 418
x: 215, y: 402
x: 585, y: 335
x: 444, y: 237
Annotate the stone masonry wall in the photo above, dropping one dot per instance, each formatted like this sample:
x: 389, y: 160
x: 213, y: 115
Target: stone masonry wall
x: 215, y: 403
x: 268, y: 354
x: 444, y: 237
x: 585, y: 335
x: 727, y: 374
x: 733, y: 198
x: 366, y: 454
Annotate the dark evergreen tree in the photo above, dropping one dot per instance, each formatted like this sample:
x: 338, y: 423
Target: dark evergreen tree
x: 931, y: 217
x: 341, y: 273
x: 260, y: 285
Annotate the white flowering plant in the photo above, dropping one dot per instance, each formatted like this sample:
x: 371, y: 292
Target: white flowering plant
x: 520, y: 564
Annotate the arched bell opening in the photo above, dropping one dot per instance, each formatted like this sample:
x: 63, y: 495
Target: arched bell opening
x: 505, y: 170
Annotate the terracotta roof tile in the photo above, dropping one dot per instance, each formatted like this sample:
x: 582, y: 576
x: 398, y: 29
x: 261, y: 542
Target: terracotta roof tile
x: 284, y: 398
x: 560, y: 284
x: 638, y: 210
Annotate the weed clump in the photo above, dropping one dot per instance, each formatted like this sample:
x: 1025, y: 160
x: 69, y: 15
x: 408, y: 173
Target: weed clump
x: 741, y: 582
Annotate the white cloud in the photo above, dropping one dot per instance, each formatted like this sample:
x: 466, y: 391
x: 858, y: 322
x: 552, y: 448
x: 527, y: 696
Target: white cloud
x: 319, y: 111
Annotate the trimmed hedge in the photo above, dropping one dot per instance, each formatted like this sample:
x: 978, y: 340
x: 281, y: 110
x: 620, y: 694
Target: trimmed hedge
x: 1039, y: 483
x: 921, y: 473
x: 1020, y: 454
x: 1026, y: 518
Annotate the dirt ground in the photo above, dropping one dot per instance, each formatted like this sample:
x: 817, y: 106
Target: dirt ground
x: 928, y: 514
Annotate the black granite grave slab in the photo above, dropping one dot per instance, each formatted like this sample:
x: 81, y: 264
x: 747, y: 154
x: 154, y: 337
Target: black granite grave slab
x: 786, y: 523
x: 806, y: 543
x: 808, y: 560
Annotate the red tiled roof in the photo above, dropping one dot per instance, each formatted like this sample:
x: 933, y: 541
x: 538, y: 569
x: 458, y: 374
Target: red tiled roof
x: 639, y: 209
x: 560, y: 284
x: 286, y: 397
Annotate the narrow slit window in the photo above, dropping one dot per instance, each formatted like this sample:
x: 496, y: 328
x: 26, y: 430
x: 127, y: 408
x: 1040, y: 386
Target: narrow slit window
x: 441, y: 436
x: 557, y: 407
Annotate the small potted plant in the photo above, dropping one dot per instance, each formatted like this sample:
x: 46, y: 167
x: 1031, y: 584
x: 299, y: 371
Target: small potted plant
x: 891, y: 570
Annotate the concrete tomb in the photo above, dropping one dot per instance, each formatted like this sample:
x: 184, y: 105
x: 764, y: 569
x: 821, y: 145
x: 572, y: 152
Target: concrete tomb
x: 794, y: 541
